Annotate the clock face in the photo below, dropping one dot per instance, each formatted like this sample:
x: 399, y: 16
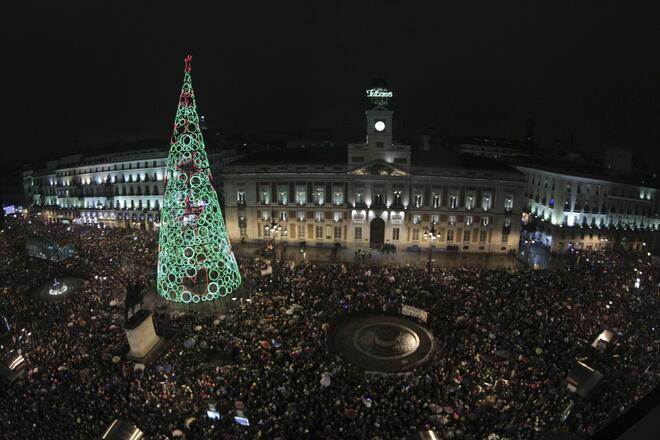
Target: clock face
x: 379, y: 126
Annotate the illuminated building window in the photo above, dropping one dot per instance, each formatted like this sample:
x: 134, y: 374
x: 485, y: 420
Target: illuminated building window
x: 435, y: 200
x: 469, y: 201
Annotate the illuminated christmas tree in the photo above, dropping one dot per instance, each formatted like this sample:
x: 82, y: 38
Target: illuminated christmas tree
x: 195, y: 260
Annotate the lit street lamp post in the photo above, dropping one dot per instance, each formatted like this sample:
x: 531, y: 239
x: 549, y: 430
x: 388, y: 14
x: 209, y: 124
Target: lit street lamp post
x: 430, y: 234
x: 274, y: 227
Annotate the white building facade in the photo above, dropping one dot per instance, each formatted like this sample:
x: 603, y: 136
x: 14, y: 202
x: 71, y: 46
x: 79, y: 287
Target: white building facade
x: 112, y: 190
x: 374, y: 193
x: 580, y: 212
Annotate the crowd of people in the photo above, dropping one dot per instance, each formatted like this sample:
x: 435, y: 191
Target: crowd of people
x: 505, y: 341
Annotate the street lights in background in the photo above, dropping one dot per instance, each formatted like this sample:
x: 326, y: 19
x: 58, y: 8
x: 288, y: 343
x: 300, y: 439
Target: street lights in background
x: 431, y: 235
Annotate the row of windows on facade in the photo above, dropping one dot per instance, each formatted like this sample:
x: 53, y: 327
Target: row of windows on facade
x: 581, y: 205
x: 115, y: 167
x: 318, y: 198
x: 120, y: 178
x: 416, y: 219
x: 613, y: 221
x: 589, y: 188
x: 132, y: 191
x: 119, y: 216
x: 124, y: 204
x: 336, y: 234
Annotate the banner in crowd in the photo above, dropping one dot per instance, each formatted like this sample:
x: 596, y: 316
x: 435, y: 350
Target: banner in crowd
x: 414, y: 312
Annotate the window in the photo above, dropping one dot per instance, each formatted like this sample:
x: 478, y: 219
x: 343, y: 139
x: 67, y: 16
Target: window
x: 338, y: 198
x: 283, y: 198
x: 505, y: 237
x: 396, y: 200
x: 507, y: 222
x: 265, y: 215
x: 485, y: 202
x: 337, y: 216
x: 319, y: 232
x: 358, y: 198
x: 301, y: 197
x: 301, y: 231
x: 284, y: 216
x: 378, y: 199
x: 508, y: 203
x: 415, y: 234
x: 435, y: 219
x: 453, y: 201
x: 265, y: 198
x: 468, y: 220
x: 337, y: 232
x: 240, y: 197
x: 319, y: 216
x: 418, y: 201
x: 358, y: 232
x: 417, y: 219
x: 469, y: 201
x: 482, y: 235
x: 435, y: 200
x: 319, y: 196
x: 266, y: 231
x: 300, y: 216
x: 485, y: 221
x: 466, y: 235
x: 452, y: 220
x: 450, y: 235
x: 395, y: 234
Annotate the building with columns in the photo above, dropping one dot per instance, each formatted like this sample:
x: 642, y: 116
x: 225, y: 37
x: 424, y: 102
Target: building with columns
x: 375, y: 193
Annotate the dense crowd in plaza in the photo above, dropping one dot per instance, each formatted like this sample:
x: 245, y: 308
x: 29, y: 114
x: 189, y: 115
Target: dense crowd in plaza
x: 506, y: 340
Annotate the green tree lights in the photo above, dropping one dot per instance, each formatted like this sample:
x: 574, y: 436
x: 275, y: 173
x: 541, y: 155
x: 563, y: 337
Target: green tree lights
x: 195, y: 260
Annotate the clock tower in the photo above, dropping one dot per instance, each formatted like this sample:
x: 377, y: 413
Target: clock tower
x: 379, y: 144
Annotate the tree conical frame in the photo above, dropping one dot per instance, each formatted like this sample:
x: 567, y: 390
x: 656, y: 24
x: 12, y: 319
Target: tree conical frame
x: 195, y: 260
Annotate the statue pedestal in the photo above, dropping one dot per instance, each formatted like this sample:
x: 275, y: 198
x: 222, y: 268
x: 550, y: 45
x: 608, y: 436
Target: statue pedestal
x: 142, y: 337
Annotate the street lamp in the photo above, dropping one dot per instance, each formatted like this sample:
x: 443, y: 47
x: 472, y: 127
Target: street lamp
x: 274, y: 227
x: 430, y: 234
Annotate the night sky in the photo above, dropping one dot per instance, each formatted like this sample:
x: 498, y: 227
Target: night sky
x: 80, y: 75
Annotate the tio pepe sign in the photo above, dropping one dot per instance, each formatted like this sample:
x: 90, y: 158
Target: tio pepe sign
x: 379, y: 93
